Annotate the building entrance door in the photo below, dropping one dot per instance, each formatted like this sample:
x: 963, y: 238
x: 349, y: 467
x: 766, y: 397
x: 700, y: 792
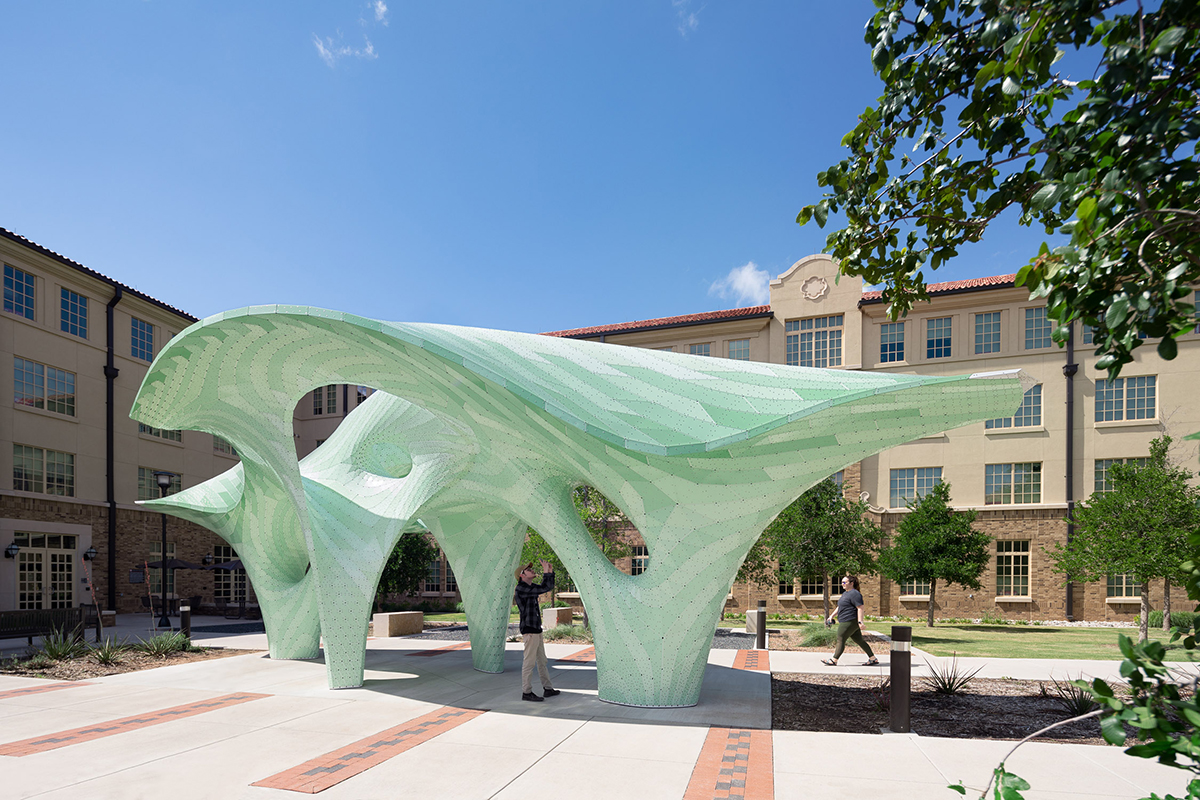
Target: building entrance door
x: 45, y: 570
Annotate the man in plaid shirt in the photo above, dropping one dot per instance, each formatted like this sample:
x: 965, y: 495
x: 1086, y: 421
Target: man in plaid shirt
x: 531, y: 629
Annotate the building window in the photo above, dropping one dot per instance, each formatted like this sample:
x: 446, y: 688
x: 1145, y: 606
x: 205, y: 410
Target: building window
x: 223, y: 446
x: 814, y: 342
x: 1089, y: 334
x: 701, y: 349
x: 920, y: 588
x: 937, y: 337
x: 1006, y: 484
x: 43, y: 471
x: 39, y: 386
x: 361, y: 393
x: 156, y: 573
x: 1123, y: 584
x: 906, y: 485
x: 74, y: 316
x: 739, y: 349
x: 1028, y: 415
x: 451, y: 581
x: 838, y: 478
x: 1037, y: 328
x: 891, y: 342
x: 1126, y: 398
x: 325, y: 400
x: 148, y: 484
x: 18, y: 292
x: 811, y: 584
x: 433, y: 577
x: 161, y: 433
x: 665, y: 349
x: 228, y: 584
x: 640, y: 561
x: 987, y: 333
x: 142, y: 334
x: 787, y: 587
x: 1103, y: 473
x: 1012, y: 568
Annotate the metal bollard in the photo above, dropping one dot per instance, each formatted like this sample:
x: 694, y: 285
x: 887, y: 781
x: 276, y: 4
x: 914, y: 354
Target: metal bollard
x: 185, y: 620
x: 899, y: 720
x: 760, y: 631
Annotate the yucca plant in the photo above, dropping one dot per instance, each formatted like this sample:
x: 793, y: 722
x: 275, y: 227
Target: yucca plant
x: 950, y: 679
x: 63, y: 645
x: 164, y: 644
x: 110, y: 652
x: 1074, y: 697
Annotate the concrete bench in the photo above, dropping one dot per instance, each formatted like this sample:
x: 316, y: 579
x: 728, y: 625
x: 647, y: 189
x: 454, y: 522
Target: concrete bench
x: 398, y: 623
x: 553, y: 617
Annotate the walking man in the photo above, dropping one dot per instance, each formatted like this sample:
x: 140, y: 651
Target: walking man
x: 531, y: 629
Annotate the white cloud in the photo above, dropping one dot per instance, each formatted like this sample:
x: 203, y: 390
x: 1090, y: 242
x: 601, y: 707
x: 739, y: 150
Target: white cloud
x: 380, y: 9
x: 747, y: 285
x: 686, y: 20
x: 331, y: 52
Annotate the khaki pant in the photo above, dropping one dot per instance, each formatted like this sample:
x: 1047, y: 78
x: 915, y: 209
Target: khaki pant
x: 535, y: 652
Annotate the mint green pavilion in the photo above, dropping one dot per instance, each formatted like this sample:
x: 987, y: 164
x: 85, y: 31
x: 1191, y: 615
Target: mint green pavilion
x: 476, y: 434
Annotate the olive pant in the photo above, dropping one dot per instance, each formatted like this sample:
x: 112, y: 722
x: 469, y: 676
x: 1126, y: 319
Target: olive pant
x: 850, y: 630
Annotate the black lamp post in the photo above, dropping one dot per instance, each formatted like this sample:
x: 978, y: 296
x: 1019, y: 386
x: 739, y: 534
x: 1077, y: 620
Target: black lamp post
x: 164, y: 483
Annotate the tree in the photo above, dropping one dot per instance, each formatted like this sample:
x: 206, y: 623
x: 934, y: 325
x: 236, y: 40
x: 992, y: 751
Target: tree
x: 406, y: 567
x: 820, y: 533
x: 936, y: 543
x: 1139, y: 528
x: 1109, y: 161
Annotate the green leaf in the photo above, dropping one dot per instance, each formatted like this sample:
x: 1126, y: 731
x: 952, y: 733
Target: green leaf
x: 1112, y: 730
x: 820, y: 213
x: 986, y: 73
x: 1013, y: 781
x: 958, y: 787
x: 1166, y: 42
x: 1045, y: 196
x: 1087, y: 210
x: 804, y: 216
x: 1010, y: 86
x: 1167, y: 348
x: 1117, y: 312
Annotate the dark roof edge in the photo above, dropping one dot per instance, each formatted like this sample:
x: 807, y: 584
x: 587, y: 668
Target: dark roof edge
x: 866, y: 301
x: 643, y: 328
x: 21, y: 240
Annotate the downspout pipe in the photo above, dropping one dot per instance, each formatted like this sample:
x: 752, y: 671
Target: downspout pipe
x: 1069, y: 369
x: 110, y: 378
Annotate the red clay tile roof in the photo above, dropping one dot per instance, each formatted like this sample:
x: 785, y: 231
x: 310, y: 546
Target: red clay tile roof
x: 46, y: 251
x: 950, y: 287
x: 665, y: 322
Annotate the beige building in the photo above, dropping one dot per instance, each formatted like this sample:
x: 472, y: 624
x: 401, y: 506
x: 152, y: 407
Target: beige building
x: 1019, y: 473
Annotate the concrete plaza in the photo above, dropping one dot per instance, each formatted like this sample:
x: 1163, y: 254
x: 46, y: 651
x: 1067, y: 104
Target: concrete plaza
x: 426, y: 725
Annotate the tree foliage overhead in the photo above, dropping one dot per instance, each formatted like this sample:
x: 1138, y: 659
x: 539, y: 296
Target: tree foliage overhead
x: 603, y: 519
x: 406, y: 567
x: 933, y: 542
x: 820, y: 533
x: 976, y: 118
x: 1140, y: 527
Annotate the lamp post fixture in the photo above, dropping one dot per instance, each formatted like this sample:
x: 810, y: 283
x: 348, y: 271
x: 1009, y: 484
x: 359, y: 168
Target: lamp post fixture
x: 164, y: 483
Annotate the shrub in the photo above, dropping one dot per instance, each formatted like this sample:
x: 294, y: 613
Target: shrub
x: 566, y: 632
x: 460, y: 608
x: 1072, y: 696
x: 38, y: 661
x: 817, y: 635
x: 991, y: 617
x: 950, y: 679
x: 164, y: 644
x: 63, y: 645
x: 1184, y: 620
x: 110, y: 652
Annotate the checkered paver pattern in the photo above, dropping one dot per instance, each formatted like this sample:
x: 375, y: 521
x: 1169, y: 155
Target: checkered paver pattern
x: 587, y: 655
x: 734, y: 764
x: 330, y: 769
x: 753, y: 660
x: 49, y: 687
x: 53, y: 741
x: 437, y: 651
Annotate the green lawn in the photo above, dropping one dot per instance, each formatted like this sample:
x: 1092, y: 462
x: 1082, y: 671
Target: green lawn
x: 1024, y: 641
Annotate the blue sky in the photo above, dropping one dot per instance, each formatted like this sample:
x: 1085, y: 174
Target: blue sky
x: 516, y: 165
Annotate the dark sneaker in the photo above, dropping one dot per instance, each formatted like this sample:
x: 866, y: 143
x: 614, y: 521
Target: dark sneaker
x: 551, y: 693
x: 531, y: 697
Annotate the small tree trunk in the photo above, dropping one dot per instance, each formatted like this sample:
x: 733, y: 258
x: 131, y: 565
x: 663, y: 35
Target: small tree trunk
x: 1144, y: 621
x: 932, y: 595
x: 825, y: 583
x: 1166, y: 604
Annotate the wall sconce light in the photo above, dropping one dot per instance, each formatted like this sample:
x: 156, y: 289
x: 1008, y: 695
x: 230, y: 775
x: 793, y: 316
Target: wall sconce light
x: 12, y: 550
x: 89, y: 554
x: 207, y: 560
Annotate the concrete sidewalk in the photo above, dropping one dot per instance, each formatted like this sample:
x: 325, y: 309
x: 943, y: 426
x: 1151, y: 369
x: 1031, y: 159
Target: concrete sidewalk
x: 432, y: 727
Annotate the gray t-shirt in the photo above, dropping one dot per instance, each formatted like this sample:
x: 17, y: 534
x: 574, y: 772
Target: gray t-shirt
x: 848, y: 605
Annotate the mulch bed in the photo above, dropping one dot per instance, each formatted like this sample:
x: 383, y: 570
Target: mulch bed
x: 81, y: 669
x: 986, y: 709
x: 787, y: 639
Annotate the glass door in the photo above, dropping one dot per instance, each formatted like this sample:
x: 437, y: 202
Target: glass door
x: 46, y: 570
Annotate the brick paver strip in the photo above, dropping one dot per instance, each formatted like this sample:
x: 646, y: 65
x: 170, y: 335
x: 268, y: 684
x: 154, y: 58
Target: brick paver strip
x: 734, y: 764
x: 49, y: 687
x: 53, y: 741
x: 586, y: 655
x: 330, y: 769
x: 752, y: 659
x: 439, y: 650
